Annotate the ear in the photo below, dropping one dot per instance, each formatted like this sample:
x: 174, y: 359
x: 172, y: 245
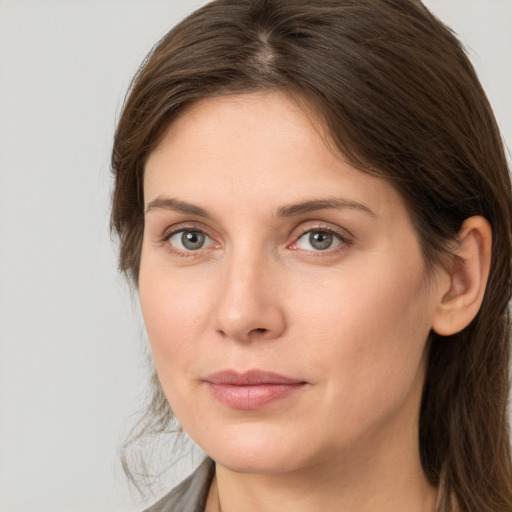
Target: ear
x: 463, y: 285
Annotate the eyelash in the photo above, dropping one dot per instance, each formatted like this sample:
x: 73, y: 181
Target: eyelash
x: 344, y: 240
x: 189, y: 228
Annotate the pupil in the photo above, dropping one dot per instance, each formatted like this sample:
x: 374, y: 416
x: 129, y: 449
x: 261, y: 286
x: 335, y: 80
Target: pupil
x: 192, y: 240
x: 320, y: 240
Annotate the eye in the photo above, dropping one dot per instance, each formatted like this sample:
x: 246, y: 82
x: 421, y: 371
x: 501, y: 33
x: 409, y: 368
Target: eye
x: 318, y: 240
x: 187, y: 240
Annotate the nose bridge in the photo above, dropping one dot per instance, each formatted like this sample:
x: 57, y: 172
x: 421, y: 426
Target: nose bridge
x: 248, y: 305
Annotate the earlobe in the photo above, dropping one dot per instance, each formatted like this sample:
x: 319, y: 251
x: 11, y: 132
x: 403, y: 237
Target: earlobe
x: 467, y: 274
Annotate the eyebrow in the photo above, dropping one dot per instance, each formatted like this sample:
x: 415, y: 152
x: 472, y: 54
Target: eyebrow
x: 291, y: 210
x: 322, y: 204
x: 175, y: 205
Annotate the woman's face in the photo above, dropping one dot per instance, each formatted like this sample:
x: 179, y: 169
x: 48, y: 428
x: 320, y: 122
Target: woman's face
x: 284, y: 292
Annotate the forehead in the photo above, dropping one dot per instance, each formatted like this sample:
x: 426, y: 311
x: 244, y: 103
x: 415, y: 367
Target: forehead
x: 265, y: 148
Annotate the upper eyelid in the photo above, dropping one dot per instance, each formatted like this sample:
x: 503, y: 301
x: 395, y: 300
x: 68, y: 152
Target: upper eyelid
x: 342, y: 232
x: 184, y: 253
x: 303, y: 228
x: 342, y: 239
x: 185, y: 226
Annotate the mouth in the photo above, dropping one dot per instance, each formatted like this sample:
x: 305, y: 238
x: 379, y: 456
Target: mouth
x: 251, y: 390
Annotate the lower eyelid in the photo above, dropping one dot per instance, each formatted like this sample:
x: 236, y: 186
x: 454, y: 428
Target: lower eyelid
x: 343, y: 241
x: 169, y: 233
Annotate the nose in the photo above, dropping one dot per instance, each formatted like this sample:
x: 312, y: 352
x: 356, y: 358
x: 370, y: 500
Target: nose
x: 249, y: 306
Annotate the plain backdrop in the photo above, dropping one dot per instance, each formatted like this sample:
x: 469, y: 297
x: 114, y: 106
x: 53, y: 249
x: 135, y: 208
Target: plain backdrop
x: 72, y: 366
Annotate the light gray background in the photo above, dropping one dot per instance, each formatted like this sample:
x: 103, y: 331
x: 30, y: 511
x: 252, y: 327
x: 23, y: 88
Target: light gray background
x: 71, y: 357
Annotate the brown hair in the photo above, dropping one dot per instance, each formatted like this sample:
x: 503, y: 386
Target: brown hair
x: 400, y: 100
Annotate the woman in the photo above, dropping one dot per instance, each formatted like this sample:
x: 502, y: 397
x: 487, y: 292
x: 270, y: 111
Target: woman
x: 313, y: 200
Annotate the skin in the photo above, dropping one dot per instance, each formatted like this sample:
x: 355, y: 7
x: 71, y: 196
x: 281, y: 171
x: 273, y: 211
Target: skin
x: 351, y: 321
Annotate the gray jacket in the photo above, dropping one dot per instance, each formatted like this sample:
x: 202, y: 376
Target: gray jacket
x: 191, y: 494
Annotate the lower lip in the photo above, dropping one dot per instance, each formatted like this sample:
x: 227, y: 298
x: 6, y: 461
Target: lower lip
x: 250, y: 397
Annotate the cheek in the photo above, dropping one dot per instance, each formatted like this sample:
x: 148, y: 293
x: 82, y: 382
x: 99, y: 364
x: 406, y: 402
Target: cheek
x: 368, y: 303
x: 368, y: 332
x: 175, y: 310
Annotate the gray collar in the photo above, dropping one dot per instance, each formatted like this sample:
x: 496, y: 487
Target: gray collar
x: 191, y: 494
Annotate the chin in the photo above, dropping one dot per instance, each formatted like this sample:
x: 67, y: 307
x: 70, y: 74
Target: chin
x: 258, y: 462
x: 257, y: 451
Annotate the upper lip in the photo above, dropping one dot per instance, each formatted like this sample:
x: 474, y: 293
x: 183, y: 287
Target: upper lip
x: 250, y: 378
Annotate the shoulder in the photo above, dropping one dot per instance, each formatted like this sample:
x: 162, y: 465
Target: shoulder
x: 191, y: 494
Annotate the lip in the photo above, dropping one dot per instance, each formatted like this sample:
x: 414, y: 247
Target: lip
x: 254, y: 389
